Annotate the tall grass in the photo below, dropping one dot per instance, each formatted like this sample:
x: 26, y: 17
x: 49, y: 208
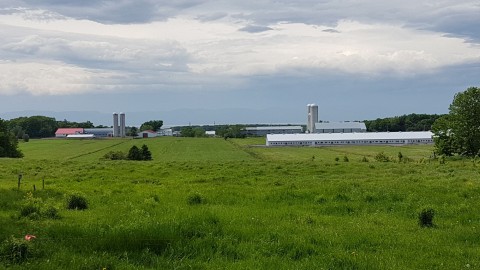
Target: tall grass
x: 211, y: 203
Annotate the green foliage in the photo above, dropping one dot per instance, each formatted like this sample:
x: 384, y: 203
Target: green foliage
x: 425, y: 217
x: 139, y: 154
x: 8, y: 142
x: 35, y: 208
x: 364, y: 159
x: 134, y: 153
x: 195, y: 198
x: 192, y: 132
x: 459, y: 133
x: 146, y: 154
x: 410, y: 122
x: 132, y: 132
x: 230, y: 131
x: 36, y: 126
x: 382, y: 157
x: 70, y: 124
x: 115, y: 155
x: 14, y: 250
x: 154, y: 125
x: 26, y: 138
x: 76, y: 201
x: 345, y: 159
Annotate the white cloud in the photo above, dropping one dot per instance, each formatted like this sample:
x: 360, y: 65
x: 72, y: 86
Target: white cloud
x: 51, y: 78
x: 75, y: 56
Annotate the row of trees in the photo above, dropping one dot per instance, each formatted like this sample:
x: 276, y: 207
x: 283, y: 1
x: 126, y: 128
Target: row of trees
x: 410, y: 122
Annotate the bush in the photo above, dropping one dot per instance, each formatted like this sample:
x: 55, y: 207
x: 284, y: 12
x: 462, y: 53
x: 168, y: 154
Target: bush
x: 425, y: 218
x: 382, y: 157
x: 26, y: 138
x: 77, y: 202
x: 51, y: 212
x: 345, y: 159
x: 14, y: 250
x: 195, y: 199
x: 364, y: 159
x: 115, y: 155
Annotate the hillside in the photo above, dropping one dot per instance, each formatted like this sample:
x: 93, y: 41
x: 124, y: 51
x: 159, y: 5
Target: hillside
x: 207, y: 203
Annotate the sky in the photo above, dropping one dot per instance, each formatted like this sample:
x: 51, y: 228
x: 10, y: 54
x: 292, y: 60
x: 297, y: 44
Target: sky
x: 226, y: 62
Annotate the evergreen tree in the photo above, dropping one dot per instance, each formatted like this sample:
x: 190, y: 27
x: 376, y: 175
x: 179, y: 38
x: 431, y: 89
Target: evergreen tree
x: 146, y: 154
x: 134, y: 153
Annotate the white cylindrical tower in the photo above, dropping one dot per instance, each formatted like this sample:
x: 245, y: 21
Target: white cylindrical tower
x: 115, y: 125
x: 122, y: 125
x: 312, y: 117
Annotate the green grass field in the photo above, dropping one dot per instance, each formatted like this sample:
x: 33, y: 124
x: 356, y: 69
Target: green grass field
x: 208, y: 203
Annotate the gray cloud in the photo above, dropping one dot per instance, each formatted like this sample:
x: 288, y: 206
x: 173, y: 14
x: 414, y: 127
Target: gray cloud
x: 450, y: 16
x: 255, y: 28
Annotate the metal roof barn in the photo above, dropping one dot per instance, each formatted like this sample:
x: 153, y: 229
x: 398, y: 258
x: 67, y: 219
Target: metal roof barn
x: 363, y: 138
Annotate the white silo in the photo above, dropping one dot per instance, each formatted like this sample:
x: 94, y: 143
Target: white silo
x: 312, y: 117
x: 115, y: 125
x: 122, y: 125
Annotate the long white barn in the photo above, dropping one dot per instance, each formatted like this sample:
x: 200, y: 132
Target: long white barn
x: 364, y: 138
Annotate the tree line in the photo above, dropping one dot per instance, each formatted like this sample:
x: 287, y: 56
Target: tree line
x: 409, y: 122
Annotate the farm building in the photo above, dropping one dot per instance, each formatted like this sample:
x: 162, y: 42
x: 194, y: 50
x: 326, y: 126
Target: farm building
x: 64, y: 132
x: 340, y: 127
x: 147, y: 134
x: 365, y: 138
x: 81, y: 136
x: 262, y: 131
x: 100, y: 132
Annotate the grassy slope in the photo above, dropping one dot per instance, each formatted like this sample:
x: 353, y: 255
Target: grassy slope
x: 263, y: 207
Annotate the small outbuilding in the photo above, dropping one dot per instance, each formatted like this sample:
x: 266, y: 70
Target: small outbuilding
x: 147, y: 134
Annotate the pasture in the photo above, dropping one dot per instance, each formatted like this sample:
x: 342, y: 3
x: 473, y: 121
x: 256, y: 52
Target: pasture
x: 207, y: 203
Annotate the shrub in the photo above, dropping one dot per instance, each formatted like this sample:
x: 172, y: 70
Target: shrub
x: 320, y: 199
x: 14, y: 250
x: 30, y: 210
x: 77, y: 202
x: 195, y: 199
x: 51, y: 212
x: 26, y: 138
x: 337, y: 159
x: 146, y: 154
x: 425, y: 218
x: 364, y: 159
x: 345, y: 159
x: 115, y: 155
x: 382, y: 157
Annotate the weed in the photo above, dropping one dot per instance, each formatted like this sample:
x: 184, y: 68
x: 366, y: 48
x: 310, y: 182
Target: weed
x: 364, y: 159
x: 345, y: 159
x: 320, y: 199
x: 14, y: 250
x: 195, y: 198
x: 382, y: 157
x: 77, y: 202
x: 425, y: 218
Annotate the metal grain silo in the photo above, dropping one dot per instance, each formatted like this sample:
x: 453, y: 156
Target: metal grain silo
x: 115, y: 125
x: 122, y: 125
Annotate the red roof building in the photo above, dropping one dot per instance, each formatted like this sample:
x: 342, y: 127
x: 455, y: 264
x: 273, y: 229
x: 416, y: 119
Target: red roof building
x: 63, y: 132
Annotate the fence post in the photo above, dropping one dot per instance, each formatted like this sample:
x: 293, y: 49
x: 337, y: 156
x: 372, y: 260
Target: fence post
x: 19, y: 180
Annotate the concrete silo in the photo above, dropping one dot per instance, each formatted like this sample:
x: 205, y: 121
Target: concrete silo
x: 122, y: 125
x: 312, y: 117
x: 115, y: 125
